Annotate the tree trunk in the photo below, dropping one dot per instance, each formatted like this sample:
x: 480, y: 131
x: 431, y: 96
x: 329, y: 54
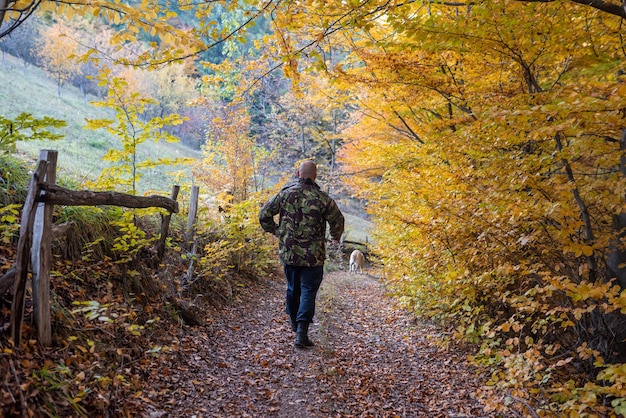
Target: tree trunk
x: 616, y: 258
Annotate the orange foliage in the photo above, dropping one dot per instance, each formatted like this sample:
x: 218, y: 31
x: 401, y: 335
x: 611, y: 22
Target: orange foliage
x: 230, y: 155
x: 488, y: 149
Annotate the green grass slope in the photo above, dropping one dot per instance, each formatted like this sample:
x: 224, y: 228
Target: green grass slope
x: 31, y: 90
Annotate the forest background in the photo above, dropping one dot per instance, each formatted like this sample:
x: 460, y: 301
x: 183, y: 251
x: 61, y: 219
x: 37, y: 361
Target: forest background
x: 485, y: 138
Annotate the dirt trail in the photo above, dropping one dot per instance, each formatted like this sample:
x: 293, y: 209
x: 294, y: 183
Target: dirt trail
x: 370, y: 360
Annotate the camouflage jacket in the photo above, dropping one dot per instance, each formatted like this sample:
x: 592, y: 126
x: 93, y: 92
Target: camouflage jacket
x: 303, y: 210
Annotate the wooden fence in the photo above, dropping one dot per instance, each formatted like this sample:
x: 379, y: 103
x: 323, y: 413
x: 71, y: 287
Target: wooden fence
x: 35, y: 237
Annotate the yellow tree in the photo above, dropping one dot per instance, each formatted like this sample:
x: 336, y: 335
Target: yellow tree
x: 487, y: 141
x: 127, y: 166
x: 172, y: 87
x: 58, y: 51
x: 230, y: 154
x: 305, y: 125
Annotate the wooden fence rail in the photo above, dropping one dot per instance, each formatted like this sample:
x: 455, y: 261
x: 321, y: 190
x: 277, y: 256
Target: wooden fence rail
x: 35, y: 237
x: 57, y: 195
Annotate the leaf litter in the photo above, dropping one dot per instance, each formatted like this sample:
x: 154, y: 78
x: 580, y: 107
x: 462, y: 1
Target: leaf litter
x: 371, y: 359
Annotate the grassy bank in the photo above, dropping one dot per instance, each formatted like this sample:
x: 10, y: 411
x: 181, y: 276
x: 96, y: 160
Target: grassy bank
x: 31, y: 90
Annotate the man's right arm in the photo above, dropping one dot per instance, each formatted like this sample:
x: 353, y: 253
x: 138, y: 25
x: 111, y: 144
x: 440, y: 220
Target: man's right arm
x: 267, y: 213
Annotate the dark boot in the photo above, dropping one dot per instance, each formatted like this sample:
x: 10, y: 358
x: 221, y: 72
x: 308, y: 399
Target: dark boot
x: 302, y: 335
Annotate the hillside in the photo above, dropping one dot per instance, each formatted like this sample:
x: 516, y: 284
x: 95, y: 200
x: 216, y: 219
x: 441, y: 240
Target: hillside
x: 29, y: 89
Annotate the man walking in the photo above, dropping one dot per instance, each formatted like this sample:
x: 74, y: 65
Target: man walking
x: 303, y: 209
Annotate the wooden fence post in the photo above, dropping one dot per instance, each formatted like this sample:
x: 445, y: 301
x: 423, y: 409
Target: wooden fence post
x: 23, y: 254
x: 188, y: 237
x: 41, y: 254
x: 165, y: 226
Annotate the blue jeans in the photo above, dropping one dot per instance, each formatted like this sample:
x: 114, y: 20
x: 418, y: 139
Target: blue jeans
x: 302, y: 286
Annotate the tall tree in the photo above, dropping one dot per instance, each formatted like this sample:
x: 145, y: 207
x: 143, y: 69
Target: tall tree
x: 231, y: 156
x: 488, y: 145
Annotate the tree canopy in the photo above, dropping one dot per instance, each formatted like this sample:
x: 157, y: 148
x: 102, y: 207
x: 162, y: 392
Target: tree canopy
x: 487, y: 139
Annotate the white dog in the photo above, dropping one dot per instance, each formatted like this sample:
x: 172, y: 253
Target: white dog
x: 356, y: 261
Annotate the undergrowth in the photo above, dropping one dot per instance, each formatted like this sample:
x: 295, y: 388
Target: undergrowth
x: 116, y: 308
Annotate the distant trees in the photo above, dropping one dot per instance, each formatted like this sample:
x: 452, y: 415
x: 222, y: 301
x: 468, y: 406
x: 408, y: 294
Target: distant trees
x: 192, y: 131
x: 295, y: 125
x: 57, y: 50
x: 231, y: 155
x: 85, y: 78
x: 21, y: 42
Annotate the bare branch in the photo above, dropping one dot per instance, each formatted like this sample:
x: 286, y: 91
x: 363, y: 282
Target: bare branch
x: 611, y: 8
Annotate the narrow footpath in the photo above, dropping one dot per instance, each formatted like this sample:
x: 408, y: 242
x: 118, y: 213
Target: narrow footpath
x: 370, y: 360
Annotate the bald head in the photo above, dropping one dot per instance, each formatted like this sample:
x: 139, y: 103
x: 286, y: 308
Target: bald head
x: 307, y: 170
